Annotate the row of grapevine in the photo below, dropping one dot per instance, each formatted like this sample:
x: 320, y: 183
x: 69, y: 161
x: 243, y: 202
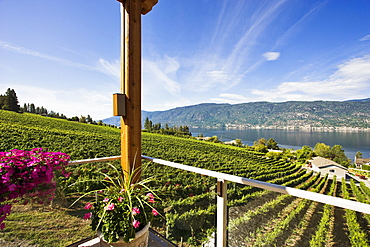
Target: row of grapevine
x: 283, y: 212
x: 321, y: 234
x: 357, y: 235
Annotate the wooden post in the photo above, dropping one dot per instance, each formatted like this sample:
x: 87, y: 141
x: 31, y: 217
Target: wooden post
x: 131, y: 11
x: 131, y: 87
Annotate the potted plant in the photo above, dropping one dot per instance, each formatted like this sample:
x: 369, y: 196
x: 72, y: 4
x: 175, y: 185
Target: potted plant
x: 122, y: 212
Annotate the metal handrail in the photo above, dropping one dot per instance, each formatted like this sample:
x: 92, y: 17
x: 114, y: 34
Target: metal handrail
x: 222, y: 197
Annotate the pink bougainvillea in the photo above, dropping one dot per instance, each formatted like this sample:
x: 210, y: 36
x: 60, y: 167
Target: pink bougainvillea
x: 28, y: 175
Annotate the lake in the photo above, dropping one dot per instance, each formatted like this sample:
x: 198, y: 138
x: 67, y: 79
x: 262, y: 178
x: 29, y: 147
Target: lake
x: 351, y: 141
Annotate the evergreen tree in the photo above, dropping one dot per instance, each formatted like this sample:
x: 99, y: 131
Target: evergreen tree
x: 25, y: 108
x: 32, y: 108
x: 2, y: 101
x: 11, y: 101
x: 146, y: 123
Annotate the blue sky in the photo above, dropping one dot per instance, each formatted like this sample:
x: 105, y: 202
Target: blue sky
x: 65, y: 55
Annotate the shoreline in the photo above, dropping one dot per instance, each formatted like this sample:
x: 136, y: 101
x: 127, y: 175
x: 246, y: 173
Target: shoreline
x: 301, y: 128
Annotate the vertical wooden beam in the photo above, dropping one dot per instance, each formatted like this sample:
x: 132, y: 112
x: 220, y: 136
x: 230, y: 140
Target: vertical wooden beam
x: 131, y: 87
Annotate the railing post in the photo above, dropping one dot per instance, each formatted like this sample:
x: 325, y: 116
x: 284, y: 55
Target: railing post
x: 221, y: 238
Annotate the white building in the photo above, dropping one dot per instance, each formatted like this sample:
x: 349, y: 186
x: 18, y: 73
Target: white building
x: 324, y: 166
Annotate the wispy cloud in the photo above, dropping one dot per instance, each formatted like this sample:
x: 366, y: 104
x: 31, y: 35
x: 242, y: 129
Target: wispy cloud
x: 222, y: 63
x: 161, y: 88
x: 271, y: 56
x: 230, y: 98
x: 163, y: 71
x: 365, y: 38
x: 352, y: 79
x: 297, y: 26
x: 25, y: 51
x: 111, y: 69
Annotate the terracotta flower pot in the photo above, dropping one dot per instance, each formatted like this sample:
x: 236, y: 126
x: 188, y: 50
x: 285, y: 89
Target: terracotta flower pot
x: 140, y: 240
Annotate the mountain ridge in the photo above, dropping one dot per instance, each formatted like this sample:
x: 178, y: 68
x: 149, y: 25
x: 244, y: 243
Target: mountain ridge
x: 351, y: 113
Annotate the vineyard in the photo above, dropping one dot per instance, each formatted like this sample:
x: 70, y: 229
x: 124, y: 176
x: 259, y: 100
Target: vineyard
x: 256, y: 217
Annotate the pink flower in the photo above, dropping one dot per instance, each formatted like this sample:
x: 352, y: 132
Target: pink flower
x: 88, y: 205
x: 12, y: 187
x: 135, y: 211
x: 106, y: 200
x: 135, y: 223
x: 154, y: 212
x: 120, y: 199
x: 110, y: 207
x: 87, y: 216
x: 150, y: 195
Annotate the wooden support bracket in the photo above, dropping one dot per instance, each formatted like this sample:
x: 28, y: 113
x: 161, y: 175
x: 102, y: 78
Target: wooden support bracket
x: 146, y: 5
x: 119, y: 104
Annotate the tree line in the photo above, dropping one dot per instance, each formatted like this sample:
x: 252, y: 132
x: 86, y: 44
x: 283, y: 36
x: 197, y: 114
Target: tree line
x: 334, y: 153
x: 166, y: 130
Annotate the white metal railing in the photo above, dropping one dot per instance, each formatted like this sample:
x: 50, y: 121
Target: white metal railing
x: 222, y: 179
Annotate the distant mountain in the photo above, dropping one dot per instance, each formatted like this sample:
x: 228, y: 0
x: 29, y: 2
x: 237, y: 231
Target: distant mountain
x: 352, y: 113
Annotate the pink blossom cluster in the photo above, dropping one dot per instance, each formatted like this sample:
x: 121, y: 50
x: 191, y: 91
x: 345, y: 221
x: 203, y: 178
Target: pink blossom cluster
x: 111, y: 206
x: 28, y: 175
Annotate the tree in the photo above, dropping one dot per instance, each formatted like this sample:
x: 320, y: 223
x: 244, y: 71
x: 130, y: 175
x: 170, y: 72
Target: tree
x: 2, y: 101
x: 260, y: 145
x: 274, y: 155
x: 321, y: 149
x: 214, y: 139
x: 89, y: 119
x: 305, y: 153
x: 260, y: 148
x: 262, y: 141
x: 83, y: 119
x: 358, y: 155
x: 32, y: 108
x: 272, y: 144
x: 148, y: 124
x: 238, y: 143
x: 11, y: 101
x: 337, y: 152
x: 75, y: 118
